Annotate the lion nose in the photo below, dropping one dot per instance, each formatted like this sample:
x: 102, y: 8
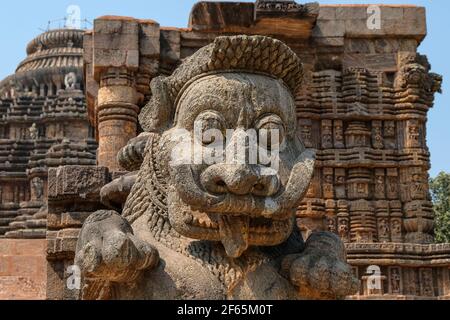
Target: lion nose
x: 240, y: 180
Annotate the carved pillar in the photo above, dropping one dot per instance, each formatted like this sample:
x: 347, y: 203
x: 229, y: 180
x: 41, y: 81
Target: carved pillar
x: 117, y: 113
x: 419, y: 222
x: 125, y: 56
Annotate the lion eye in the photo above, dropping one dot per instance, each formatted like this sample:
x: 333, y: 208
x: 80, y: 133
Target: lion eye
x: 209, y: 125
x: 271, y: 132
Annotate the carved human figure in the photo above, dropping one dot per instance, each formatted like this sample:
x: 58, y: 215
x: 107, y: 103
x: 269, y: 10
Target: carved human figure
x: 392, y: 183
x: 343, y: 229
x: 396, y: 228
x: 395, y: 281
x: 37, y: 187
x: 327, y: 134
x: 383, y: 229
x: 427, y: 282
x: 332, y: 225
x: 224, y: 230
x: 328, y: 187
x: 339, y: 134
x: 306, y: 133
x: 413, y: 134
x: 341, y: 189
x: 70, y: 81
x: 389, y: 129
x: 379, y: 186
x: 33, y: 132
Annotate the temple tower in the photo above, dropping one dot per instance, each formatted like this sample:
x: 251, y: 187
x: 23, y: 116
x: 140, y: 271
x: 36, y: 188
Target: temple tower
x: 44, y: 124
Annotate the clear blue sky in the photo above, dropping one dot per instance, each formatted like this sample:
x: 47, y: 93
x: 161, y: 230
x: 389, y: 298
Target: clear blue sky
x: 21, y: 20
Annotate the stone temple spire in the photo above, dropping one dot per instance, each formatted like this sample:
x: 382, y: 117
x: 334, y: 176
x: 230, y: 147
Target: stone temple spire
x: 43, y: 121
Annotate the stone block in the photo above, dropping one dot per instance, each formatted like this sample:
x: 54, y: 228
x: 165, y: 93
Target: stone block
x: 76, y: 181
x: 331, y: 28
x: 329, y: 41
x: 149, y: 39
x: 389, y: 28
x: 391, y: 13
x: 414, y: 13
x: 116, y: 25
x: 116, y: 41
x: 106, y: 58
x: 351, y: 12
x: 327, y: 13
x: 221, y: 15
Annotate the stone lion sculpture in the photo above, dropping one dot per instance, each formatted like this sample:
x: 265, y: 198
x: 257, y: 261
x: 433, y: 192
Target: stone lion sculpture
x: 225, y: 230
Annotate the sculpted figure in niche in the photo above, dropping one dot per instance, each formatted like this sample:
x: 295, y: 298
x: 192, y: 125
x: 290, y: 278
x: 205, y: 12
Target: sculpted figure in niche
x: 395, y: 281
x: 70, y: 81
x: 226, y: 230
x: 413, y: 134
x: 306, y: 133
x: 343, y: 230
x: 396, y: 228
x: 37, y: 187
x: 383, y: 229
x: 33, y: 132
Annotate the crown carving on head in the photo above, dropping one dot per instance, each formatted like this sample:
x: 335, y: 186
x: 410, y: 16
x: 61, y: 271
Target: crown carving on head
x: 253, y: 54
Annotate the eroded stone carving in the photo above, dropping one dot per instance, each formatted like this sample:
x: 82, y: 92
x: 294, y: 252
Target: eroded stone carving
x: 223, y: 230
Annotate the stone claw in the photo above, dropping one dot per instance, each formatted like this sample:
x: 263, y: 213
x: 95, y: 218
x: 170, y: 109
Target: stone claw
x: 108, y: 250
x: 321, y: 271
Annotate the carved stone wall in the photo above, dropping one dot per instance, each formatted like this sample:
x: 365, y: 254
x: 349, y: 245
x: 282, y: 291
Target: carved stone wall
x: 363, y: 105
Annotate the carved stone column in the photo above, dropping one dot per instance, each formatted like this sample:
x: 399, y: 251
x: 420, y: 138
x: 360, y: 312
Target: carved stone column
x: 117, y: 113
x: 125, y: 57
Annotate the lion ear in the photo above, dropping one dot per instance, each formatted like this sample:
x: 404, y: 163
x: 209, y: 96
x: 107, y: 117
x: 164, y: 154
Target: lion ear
x: 157, y: 115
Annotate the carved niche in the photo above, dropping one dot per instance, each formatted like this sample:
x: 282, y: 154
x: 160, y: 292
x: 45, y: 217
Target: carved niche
x: 359, y: 180
x: 340, y: 183
x: 413, y: 134
x: 357, y: 135
x: 306, y: 132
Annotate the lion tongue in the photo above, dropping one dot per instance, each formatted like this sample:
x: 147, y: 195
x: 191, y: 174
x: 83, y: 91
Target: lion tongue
x: 234, y: 234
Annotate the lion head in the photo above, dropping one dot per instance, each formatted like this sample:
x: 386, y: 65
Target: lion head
x: 227, y: 147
